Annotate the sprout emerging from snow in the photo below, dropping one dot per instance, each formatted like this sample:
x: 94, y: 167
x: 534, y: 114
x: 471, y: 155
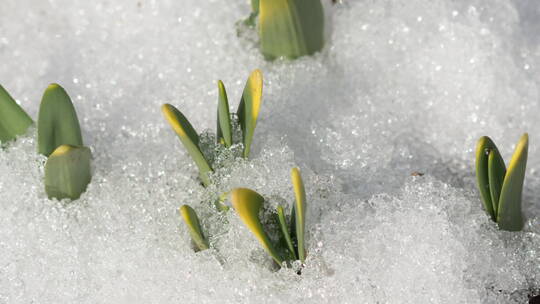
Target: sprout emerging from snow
x: 288, y: 28
x: 248, y: 203
x: 247, y: 113
x: 13, y: 119
x: 194, y: 227
x: 501, y: 188
x: 67, y: 171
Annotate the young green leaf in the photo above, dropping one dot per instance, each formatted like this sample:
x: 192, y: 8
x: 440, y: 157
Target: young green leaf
x: 57, y: 122
x: 300, y: 211
x: 67, y: 172
x: 13, y: 119
x: 194, y: 227
x: 292, y: 229
x: 248, y: 109
x: 290, y: 28
x: 496, y: 172
x: 483, y: 148
x: 509, y: 215
x: 285, y: 231
x: 189, y: 138
x: 224, y: 127
x: 247, y: 204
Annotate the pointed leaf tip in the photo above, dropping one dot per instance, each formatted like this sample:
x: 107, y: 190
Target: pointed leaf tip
x: 67, y: 172
x: 189, y: 138
x: 509, y: 215
x: 57, y: 121
x: 247, y: 204
x: 300, y: 211
x: 285, y: 231
x: 194, y: 227
x: 224, y: 127
x: 54, y: 86
x: 249, y: 107
x: 483, y: 148
x: 179, y: 123
x: 496, y: 173
x: 13, y: 119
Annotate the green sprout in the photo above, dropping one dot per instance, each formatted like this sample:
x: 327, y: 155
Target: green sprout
x: 248, y: 204
x: 67, y: 170
x: 247, y: 114
x: 190, y: 218
x: 57, y: 122
x: 189, y: 138
x: 501, y: 188
x: 13, y: 119
x: 246, y: 118
x: 194, y: 227
x: 289, y: 28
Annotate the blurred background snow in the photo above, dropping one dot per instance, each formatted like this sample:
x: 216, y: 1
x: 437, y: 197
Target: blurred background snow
x: 403, y: 87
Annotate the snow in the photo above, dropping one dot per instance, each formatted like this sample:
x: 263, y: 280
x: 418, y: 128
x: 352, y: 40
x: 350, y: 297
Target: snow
x: 402, y: 87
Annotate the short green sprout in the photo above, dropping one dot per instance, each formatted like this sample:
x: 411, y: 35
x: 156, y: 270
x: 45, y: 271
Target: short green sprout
x: 194, y: 227
x: 289, y: 28
x: 501, y: 188
x: 248, y: 204
x: 247, y: 114
x: 57, y: 122
x: 67, y: 170
x: 13, y: 119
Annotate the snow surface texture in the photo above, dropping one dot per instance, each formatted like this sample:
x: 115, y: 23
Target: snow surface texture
x: 402, y: 87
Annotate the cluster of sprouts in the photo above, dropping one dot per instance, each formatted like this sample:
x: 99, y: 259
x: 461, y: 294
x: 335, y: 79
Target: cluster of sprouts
x: 67, y: 170
x: 287, y: 29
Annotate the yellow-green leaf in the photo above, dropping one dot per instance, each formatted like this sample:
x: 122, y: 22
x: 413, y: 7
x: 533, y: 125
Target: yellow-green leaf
x: 224, y: 127
x: 496, y: 172
x: 189, y: 138
x: 247, y: 204
x: 509, y: 216
x: 194, y: 227
x: 67, y: 172
x: 13, y: 119
x: 290, y: 28
x: 248, y: 109
x: 300, y: 211
x: 484, y: 146
x: 57, y: 122
x: 285, y: 231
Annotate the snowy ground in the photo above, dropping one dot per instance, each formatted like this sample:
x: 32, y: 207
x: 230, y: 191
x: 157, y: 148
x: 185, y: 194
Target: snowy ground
x: 402, y: 87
